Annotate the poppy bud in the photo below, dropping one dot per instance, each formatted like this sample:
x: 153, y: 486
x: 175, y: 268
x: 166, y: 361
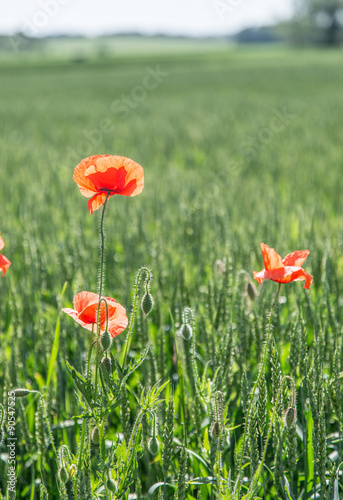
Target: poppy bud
x: 147, y: 303
x: 153, y: 446
x: 251, y: 291
x: 63, y: 474
x: 215, y: 430
x: 107, y: 363
x: 21, y: 393
x: 105, y: 340
x: 73, y: 470
x: 186, y: 331
x: 290, y: 417
x: 111, y: 485
x: 96, y: 435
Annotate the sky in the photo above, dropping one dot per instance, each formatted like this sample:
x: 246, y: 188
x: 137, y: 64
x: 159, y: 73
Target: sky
x: 175, y: 17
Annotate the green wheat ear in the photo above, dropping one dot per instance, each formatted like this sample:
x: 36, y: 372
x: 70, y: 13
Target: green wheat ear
x: 181, y: 480
x: 43, y: 492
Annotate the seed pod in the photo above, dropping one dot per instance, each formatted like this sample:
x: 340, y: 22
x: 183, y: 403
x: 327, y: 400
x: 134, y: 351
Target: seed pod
x: 95, y: 435
x: 63, y: 474
x: 186, y: 331
x: 147, y: 303
x: 153, y: 446
x: 111, y: 485
x: 21, y: 393
x: 107, y: 363
x: 105, y: 340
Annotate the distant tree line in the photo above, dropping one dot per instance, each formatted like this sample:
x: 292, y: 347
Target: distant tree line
x: 318, y: 21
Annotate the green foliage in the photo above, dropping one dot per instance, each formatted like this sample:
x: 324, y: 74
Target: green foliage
x: 220, y: 178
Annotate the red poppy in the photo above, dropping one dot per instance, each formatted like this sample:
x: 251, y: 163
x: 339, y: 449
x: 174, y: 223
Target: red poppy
x: 99, y: 175
x: 85, y: 313
x: 283, y: 270
x: 4, y: 262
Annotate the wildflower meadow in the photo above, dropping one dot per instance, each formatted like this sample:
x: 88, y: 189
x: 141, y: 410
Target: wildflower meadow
x: 171, y: 276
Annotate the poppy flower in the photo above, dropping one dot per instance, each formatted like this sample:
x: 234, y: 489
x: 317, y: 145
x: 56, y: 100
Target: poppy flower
x: 85, y: 313
x: 99, y: 175
x: 4, y: 262
x: 283, y: 270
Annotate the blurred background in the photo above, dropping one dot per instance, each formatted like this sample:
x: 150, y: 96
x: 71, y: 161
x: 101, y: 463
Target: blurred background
x: 81, y: 29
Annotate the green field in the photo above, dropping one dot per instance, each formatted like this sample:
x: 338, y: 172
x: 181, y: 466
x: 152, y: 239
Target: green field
x: 238, y: 147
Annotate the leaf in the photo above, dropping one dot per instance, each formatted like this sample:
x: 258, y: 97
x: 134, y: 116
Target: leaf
x: 134, y: 366
x: 56, y: 343
x: 158, y: 485
x: 203, y: 480
x: 199, y: 458
x: 288, y: 490
x: 336, y: 489
x: 81, y: 383
x: 309, y: 452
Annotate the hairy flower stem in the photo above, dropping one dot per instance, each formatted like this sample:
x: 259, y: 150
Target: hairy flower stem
x: 132, y: 319
x: 257, y: 381
x: 89, y: 356
x: 101, y: 279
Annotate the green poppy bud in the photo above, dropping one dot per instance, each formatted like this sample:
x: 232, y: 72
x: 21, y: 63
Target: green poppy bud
x: 73, y: 470
x: 111, y: 485
x: 63, y: 474
x: 21, y: 393
x: 153, y: 446
x: 95, y: 435
x: 147, y: 303
x: 186, y: 331
x: 105, y: 340
x: 290, y: 417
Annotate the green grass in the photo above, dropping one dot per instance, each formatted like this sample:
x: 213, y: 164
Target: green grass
x: 222, y: 174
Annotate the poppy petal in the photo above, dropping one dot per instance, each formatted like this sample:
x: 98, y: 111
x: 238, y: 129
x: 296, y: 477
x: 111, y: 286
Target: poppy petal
x: 74, y: 314
x: 86, y: 185
x: 134, y: 171
x: 96, y: 202
x: 111, y: 179
x: 82, y: 299
x: 293, y: 273
x: 4, y: 264
x: 118, y: 321
x: 271, y: 259
x: 259, y: 276
x: 296, y: 258
x: 2, y: 243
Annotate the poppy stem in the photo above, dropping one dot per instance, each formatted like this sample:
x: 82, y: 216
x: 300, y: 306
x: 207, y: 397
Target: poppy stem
x: 132, y: 318
x: 257, y: 381
x: 89, y: 355
x: 101, y: 279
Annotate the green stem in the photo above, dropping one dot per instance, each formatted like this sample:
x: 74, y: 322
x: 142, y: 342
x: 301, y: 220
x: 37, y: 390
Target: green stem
x: 101, y: 279
x: 128, y: 336
x: 257, y: 381
x: 75, y: 490
x: 219, y: 457
x: 82, y: 440
x: 133, y: 433
x: 89, y: 355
